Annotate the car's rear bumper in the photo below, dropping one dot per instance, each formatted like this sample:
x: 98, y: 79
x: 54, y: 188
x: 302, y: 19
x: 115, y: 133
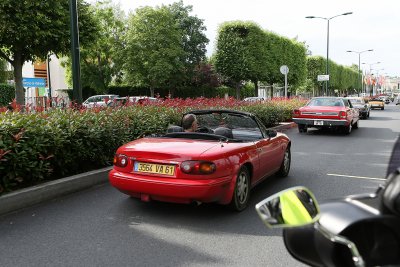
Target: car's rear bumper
x: 172, y: 189
x: 326, y: 122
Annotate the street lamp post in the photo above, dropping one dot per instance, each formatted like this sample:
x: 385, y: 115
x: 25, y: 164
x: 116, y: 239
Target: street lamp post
x: 370, y: 69
x: 327, y: 44
x: 359, y: 60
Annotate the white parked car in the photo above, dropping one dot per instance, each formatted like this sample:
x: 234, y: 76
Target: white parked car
x: 98, y: 101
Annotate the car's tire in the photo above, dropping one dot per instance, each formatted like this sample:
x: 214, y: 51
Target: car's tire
x: 302, y: 128
x: 355, y: 125
x: 241, y: 194
x: 368, y: 114
x: 382, y: 108
x: 285, y: 165
x: 347, y: 129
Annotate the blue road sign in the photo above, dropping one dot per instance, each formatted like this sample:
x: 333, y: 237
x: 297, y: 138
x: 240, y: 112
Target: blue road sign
x: 33, y: 82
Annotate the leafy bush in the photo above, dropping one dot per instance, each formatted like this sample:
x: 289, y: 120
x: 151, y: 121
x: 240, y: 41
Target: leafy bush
x: 35, y: 147
x: 7, y: 94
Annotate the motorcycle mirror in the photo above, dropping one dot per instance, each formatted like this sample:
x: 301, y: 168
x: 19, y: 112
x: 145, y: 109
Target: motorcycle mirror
x: 292, y: 207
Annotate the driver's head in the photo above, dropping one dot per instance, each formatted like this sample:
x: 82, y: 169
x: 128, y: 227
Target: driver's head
x: 189, y: 123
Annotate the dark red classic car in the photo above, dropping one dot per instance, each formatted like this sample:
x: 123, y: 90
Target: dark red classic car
x: 327, y: 112
x: 231, y: 153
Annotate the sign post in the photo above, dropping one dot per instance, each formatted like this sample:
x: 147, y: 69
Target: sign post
x: 285, y: 70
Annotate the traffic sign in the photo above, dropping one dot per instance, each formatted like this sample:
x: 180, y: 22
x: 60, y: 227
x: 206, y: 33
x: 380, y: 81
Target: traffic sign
x: 322, y: 78
x: 284, y: 69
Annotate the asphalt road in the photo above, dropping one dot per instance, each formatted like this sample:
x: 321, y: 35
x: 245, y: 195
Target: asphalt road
x: 103, y: 227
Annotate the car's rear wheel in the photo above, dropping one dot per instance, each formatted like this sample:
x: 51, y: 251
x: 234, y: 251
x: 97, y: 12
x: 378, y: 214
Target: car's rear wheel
x: 285, y: 165
x: 382, y: 108
x: 355, y: 125
x: 347, y: 129
x: 241, y: 193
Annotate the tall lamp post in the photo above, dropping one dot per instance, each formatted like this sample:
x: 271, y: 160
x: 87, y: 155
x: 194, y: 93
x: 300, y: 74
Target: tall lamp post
x: 370, y: 69
x: 327, y: 44
x: 359, y: 62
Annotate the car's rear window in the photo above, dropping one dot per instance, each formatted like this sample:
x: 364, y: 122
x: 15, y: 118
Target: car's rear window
x: 326, y: 102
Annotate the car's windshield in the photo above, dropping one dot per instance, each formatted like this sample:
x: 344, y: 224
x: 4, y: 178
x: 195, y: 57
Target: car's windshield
x: 243, y: 127
x: 327, y: 102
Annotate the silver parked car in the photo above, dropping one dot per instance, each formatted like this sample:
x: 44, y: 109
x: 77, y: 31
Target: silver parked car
x: 98, y: 101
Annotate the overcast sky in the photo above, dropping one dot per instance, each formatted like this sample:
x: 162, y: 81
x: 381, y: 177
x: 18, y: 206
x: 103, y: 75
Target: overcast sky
x: 373, y: 25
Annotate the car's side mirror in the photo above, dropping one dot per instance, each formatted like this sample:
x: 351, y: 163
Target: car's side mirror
x: 292, y: 207
x: 272, y: 133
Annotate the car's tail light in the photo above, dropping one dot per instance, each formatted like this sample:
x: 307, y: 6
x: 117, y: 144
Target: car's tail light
x: 343, y: 114
x: 120, y: 160
x: 296, y: 112
x: 198, y: 167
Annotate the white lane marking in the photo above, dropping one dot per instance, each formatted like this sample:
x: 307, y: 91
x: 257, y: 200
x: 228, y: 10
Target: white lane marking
x: 357, y: 177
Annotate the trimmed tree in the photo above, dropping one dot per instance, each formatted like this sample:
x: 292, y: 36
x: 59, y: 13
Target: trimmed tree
x: 240, y: 54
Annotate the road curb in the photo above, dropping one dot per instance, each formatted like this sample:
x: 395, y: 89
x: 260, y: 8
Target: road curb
x: 284, y: 126
x: 33, y: 195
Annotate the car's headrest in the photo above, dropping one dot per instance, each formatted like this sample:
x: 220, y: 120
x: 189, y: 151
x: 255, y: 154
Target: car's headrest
x: 174, y: 129
x: 224, y: 132
x: 391, y: 192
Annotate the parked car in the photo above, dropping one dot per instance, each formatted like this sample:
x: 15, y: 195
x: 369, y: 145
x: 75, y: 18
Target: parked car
x: 121, y: 101
x: 216, y: 164
x: 98, y: 101
x: 363, y: 107
x: 397, y: 100
x: 254, y: 99
x: 377, y: 103
x: 327, y: 112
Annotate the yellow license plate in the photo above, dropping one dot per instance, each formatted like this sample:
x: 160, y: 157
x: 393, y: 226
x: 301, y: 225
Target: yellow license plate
x: 154, y: 168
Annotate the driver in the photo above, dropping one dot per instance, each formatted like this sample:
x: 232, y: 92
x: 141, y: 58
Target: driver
x: 189, y: 123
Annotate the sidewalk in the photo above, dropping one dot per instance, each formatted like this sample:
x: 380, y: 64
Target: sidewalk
x: 33, y: 195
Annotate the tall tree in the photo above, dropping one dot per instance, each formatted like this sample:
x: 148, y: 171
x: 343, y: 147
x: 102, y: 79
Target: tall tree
x: 32, y: 29
x: 101, y: 59
x: 153, y: 48
x: 193, y: 42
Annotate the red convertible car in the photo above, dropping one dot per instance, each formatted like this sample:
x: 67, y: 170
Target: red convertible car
x: 230, y: 153
x: 327, y: 112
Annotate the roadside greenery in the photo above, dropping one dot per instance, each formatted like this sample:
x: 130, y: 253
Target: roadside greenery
x: 7, y: 94
x: 42, y: 146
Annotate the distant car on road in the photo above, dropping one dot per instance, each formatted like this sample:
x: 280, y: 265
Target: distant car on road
x: 327, y: 112
x: 377, y: 103
x: 98, y: 101
x: 363, y: 107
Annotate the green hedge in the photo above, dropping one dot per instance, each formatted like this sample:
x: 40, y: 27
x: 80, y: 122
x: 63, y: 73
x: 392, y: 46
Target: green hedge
x: 7, y: 94
x: 58, y: 143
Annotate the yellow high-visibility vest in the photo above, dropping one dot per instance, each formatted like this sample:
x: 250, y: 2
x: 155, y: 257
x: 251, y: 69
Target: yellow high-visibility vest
x: 293, y: 211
